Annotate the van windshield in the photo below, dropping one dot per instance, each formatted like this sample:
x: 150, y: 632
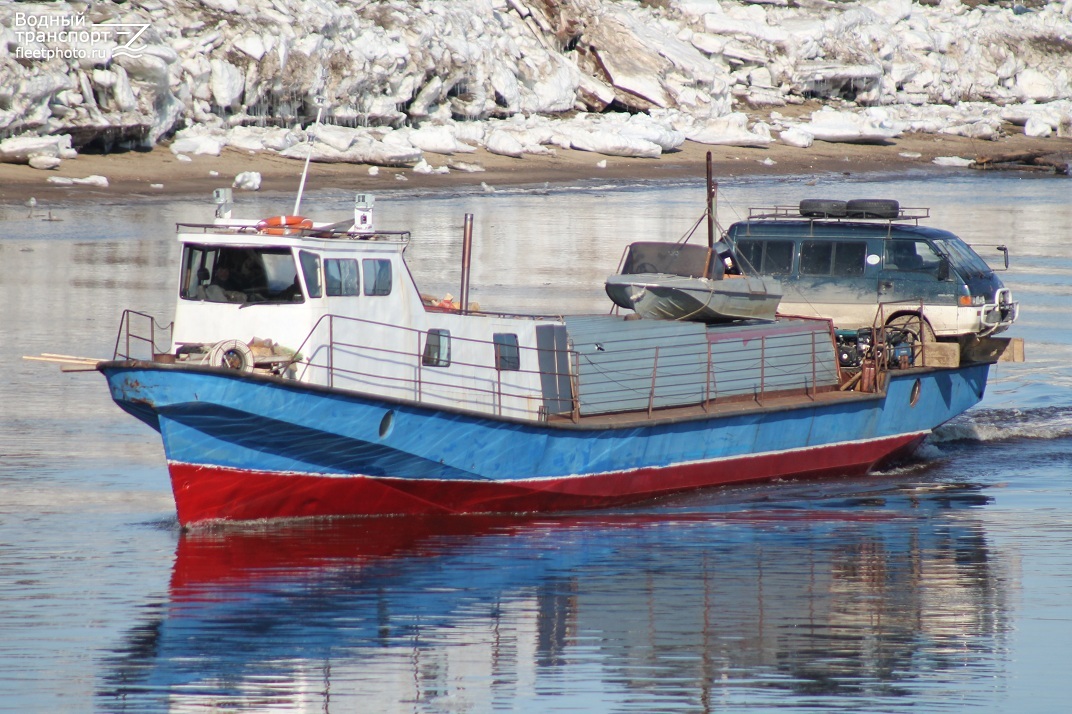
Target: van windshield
x: 963, y: 258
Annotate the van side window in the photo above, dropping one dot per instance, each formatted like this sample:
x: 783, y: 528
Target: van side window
x: 849, y: 259
x: 843, y: 259
x: 910, y: 256
x: 377, y: 274
x: 767, y: 256
x: 436, y: 348
x: 340, y: 276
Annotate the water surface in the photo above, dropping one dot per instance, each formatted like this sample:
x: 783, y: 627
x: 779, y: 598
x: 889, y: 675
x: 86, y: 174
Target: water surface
x: 942, y: 585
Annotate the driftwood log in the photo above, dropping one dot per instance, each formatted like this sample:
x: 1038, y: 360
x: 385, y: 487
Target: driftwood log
x: 1060, y: 163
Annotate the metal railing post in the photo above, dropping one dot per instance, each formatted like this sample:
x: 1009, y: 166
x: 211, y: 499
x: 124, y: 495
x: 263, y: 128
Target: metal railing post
x: 814, y: 374
x: 331, y: 350
x: 762, y: 366
x: 654, y: 372
x: 707, y: 381
x: 420, y: 369
x: 575, y: 384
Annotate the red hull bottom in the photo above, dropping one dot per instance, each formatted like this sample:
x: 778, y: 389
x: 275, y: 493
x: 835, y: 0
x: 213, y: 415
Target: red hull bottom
x: 204, y: 493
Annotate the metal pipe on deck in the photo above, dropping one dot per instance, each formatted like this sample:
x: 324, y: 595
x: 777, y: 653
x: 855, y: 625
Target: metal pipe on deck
x: 711, y: 188
x: 467, y: 256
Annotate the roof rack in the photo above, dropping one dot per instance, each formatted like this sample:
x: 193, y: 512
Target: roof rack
x: 871, y: 210
x: 330, y: 231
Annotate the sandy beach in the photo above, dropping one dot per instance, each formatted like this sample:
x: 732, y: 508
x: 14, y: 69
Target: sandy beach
x: 160, y: 172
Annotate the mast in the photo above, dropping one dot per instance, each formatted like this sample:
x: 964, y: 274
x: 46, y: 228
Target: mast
x: 467, y: 256
x: 712, y: 187
x: 310, y: 136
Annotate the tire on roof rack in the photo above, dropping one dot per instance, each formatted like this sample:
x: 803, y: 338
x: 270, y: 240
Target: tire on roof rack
x: 873, y: 208
x: 822, y: 208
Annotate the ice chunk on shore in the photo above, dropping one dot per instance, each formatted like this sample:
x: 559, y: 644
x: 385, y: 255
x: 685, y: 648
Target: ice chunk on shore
x: 730, y: 130
x: 611, y: 143
x: 45, y: 163
x: 795, y: 136
x: 504, y: 143
x: 20, y: 149
x: 957, y: 161
x: 364, y: 151
x: 848, y: 127
x: 94, y: 180
x: 248, y: 180
x: 438, y: 140
x: 199, y: 140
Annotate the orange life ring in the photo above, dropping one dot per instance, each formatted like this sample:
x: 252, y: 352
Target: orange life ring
x: 284, y: 225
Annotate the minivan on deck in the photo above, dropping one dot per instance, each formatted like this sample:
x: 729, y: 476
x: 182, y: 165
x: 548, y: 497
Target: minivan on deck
x: 866, y: 263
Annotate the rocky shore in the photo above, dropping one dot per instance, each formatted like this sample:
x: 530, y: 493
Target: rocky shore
x: 173, y: 95
x: 134, y: 174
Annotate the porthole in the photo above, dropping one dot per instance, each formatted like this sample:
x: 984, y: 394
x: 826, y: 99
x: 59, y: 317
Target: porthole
x: 913, y: 397
x: 386, y: 424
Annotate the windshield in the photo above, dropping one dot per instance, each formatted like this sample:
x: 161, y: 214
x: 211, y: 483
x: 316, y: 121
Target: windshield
x: 238, y: 274
x: 671, y: 258
x: 965, y: 260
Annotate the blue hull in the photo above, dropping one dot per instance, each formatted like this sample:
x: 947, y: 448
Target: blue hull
x: 244, y: 447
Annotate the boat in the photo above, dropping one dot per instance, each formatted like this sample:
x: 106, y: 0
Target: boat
x: 305, y: 375
x: 683, y: 281
x: 675, y: 281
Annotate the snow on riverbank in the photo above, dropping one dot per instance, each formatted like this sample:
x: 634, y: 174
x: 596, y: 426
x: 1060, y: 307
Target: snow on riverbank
x: 403, y: 80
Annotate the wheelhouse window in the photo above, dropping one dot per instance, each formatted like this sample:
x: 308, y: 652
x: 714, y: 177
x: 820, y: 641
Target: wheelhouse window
x: 340, y: 276
x: 507, y: 352
x: 310, y: 265
x: 767, y: 256
x: 377, y: 274
x: 238, y: 274
x: 837, y: 258
x: 436, y: 348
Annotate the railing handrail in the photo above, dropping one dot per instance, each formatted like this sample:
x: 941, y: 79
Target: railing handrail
x: 668, y: 380
x: 331, y: 232
x: 484, y: 378
x: 126, y: 331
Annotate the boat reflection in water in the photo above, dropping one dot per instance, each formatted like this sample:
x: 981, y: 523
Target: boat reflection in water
x: 863, y: 596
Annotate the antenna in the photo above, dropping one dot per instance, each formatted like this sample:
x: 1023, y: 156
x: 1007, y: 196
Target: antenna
x: 320, y: 104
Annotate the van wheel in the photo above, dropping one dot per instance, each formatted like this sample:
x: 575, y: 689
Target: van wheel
x: 915, y: 327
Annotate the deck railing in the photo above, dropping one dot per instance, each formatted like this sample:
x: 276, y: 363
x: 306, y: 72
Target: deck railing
x: 626, y: 375
x: 341, y: 360
x: 638, y: 374
x: 340, y: 231
x: 138, y: 336
x: 632, y: 377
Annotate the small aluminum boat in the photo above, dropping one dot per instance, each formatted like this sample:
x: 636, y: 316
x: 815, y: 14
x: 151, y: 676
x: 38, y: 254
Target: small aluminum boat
x: 673, y: 281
